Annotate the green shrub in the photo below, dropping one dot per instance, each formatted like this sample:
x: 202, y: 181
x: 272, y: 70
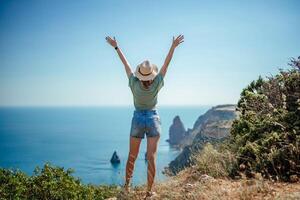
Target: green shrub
x: 50, y: 182
x: 266, y: 137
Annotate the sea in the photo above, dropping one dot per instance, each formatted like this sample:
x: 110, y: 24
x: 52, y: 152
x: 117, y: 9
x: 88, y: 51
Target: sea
x: 84, y: 139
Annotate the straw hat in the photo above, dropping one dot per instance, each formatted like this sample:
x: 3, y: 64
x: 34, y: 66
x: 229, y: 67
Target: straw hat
x: 146, y: 71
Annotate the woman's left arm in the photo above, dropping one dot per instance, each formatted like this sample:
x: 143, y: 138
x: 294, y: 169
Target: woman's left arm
x: 113, y: 43
x: 168, y: 59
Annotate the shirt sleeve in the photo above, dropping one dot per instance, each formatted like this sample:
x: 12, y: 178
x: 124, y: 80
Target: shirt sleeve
x: 160, y: 81
x: 131, y: 80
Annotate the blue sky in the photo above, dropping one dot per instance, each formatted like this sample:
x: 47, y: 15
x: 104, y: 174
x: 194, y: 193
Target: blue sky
x: 54, y: 52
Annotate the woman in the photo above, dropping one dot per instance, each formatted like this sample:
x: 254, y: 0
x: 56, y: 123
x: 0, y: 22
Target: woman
x: 145, y: 84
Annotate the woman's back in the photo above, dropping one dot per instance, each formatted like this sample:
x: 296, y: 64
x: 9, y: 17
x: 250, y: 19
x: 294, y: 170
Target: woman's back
x: 145, y: 99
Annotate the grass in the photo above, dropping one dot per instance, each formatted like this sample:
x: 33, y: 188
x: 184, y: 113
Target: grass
x: 209, y: 179
x: 213, y: 162
x: 190, y: 184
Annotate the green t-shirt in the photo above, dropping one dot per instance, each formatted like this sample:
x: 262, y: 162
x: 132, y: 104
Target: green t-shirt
x: 145, y: 99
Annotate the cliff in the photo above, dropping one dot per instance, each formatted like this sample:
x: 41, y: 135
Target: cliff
x: 213, y: 126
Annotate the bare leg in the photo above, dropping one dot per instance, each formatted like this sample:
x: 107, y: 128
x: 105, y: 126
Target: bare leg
x: 134, y: 147
x: 152, y: 143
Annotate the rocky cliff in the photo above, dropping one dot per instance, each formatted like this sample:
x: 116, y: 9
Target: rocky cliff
x: 213, y: 126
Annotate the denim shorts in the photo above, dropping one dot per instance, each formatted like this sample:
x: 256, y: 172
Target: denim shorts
x: 145, y: 122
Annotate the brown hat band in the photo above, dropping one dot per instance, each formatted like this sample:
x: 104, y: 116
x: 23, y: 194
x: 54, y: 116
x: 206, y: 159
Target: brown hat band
x: 145, y: 74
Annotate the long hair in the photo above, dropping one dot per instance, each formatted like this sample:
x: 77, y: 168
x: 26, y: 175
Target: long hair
x: 146, y: 84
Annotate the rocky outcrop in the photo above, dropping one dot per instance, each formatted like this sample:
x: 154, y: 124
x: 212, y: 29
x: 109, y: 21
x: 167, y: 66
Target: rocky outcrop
x: 216, y: 122
x: 115, y: 158
x: 177, y: 132
x: 213, y: 127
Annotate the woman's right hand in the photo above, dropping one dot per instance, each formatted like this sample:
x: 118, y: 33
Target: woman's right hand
x: 112, y: 42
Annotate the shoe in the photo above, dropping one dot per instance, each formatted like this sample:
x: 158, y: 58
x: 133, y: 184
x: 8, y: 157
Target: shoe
x: 123, y: 194
x: 150, y: 195
x: 126, y: 187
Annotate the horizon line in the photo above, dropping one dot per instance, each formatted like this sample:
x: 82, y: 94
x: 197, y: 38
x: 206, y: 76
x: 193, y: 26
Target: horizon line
x: 109, y: 105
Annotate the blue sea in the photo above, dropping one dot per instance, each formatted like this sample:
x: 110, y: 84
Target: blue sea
x: 84, y: 139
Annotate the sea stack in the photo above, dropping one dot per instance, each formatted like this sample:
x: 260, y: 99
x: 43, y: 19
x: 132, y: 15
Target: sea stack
x: 115, y: 158
x: 177, y: 132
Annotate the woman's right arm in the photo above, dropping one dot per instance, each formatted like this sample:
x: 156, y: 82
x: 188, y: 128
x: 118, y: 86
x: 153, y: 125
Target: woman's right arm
x: 168, y: 59
x: 113, y: 43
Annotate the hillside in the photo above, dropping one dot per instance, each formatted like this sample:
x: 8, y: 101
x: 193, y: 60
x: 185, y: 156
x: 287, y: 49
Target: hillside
x: 192, y: 185
x: 212, y: 126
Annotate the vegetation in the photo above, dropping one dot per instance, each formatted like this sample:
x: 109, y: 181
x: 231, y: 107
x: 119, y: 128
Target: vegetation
x: 266, y: 137
x: 50, y: 182
x: 191, y: 184
x: 215, y: 162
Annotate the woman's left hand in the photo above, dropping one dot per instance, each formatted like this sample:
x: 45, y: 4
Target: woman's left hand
x: 178, y: 40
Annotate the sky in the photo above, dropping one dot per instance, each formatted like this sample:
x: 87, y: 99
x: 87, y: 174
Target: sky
x: 54, y: 53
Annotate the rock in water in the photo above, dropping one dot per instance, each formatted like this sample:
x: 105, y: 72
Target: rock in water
x: 115, y: 158
x: 177, y: 132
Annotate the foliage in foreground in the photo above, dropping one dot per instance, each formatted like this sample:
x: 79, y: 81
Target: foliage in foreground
x: 266, y: 137
x: 215, y: 161
x: 50, y: 182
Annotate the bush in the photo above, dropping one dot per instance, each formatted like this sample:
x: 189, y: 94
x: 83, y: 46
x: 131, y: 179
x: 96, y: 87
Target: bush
x: 51, y: 182
x: 266, y: 137
x: 215, y: 162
